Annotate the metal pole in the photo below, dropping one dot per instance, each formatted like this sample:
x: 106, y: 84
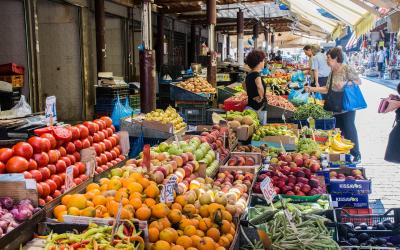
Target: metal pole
x: 240, y: 31
x: 266, y: 37
x: 100, y: 35
x: 228, y: 45
x: 212, y: 60
x: 255, y: 35
x: 160, y: 41
x: 272, y: 42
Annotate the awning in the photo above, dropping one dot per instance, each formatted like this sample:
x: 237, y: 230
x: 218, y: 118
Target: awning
x: 352, y: 41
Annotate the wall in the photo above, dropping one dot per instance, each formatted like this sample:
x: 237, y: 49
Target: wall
x: 114, y: 46
x: 12, y: 41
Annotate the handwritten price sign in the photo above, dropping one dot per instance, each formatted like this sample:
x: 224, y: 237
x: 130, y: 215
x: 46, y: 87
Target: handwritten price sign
x: 167, y: 193
x: 268, y: 190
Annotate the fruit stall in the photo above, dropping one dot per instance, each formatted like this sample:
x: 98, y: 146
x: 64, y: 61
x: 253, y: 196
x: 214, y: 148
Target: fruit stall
x: 236, y: 184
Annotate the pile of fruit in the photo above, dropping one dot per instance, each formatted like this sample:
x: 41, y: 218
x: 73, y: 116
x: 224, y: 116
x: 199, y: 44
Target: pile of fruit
x: 279, y: 101
x: 356, y: 174
x: 337, y: 145
x: 46, y: 157
x: 168, y: 116
x: 197, y: 85
x: 245, y: 118
x: 270, y: 130
x: 309, y: 146
x: 305, y: 111
x: 241, y: 160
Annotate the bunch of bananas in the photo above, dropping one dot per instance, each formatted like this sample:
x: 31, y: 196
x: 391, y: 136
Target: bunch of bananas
x: 337, y: 145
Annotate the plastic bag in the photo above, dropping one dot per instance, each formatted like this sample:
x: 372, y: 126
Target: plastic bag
x: 137, y: 146
x: 353, y: 98
x: 128, y: 107
x: 22, y: 108
x: 118, y: 112
x: 298, y: 97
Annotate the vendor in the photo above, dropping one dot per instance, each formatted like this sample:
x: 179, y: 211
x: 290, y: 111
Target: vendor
x: 308, y: 52
x: 320, y: 67
x: 253, y: 84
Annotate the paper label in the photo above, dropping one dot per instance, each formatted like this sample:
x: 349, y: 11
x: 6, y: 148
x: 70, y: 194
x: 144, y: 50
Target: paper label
x: 50, y: 110
x: 70, y: 219
x: 69, y: 177
x: 87, y: 154
x: 167, y: 193
x: 117, y: 220
x: 30, y: 184
x: 283, y: 118
x: 124, y: 142
x: 268, y: 190
x: 90, y: 167
x: 143, y: 227
x: 342, y: 157
x: 289, y: 217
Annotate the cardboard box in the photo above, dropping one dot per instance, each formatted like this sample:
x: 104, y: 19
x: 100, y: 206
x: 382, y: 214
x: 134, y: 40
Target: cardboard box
x: 349, y: 186
x: 288, y: 142
x: 254, y: 155
x: 243, y: 133
x: 11, y: 185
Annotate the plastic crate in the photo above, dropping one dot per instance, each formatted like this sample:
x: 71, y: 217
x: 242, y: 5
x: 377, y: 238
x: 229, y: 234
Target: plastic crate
x: 324, y: 124
x: 11, y: 69
x: 134, y: 100
x: 133, y: 141
x: 209, y: 113
x: 180, y: 94
x: 111, y: 92
x: 224, y: 93
x: 194, y: 115
x: 392, y: 214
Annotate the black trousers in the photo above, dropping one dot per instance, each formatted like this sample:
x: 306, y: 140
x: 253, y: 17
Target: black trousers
x: 393, y: 148
x: 346, y: 123
x: 322, y: 81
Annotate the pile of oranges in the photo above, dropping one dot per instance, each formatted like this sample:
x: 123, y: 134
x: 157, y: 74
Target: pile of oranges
x: 183, y: 224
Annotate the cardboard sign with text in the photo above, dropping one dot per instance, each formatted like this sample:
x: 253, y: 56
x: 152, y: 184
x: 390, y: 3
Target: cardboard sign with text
x: 268, y: 190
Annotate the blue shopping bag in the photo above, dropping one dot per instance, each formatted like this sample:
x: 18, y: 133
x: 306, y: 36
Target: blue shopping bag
x: 118, y: 112
x: 298, y: 97
x: 353, y: 98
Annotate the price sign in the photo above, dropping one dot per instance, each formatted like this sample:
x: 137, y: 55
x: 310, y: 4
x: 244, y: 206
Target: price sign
x: 144, y: 228
x: 50, y: 112
x: 69, y: 178
x: 268, y: 190
x: 90, y: 167
x: 117, y: 221
x: 283, y: 148
x: 225, y: 140
x: 124, y: 142
x: 284, y: 118
x: 167, y: 194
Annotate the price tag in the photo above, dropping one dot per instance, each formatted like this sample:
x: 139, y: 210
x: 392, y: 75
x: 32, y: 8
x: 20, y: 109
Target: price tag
x: 283, y: 148
x: 146, y: 157
x: 289, y: 217
x: 342, y: 157
x: 167, y: 194
x: 90, y: 167
x: 88, y: 154
x: 69, y: 178
x: 50, y: 112
x: 284, y: 118
x: 217, y: 156
x: 117, y: 220
x: 268, y: 190
x: 144, y: 228
x: 176, y: 139
x: 124, y: 142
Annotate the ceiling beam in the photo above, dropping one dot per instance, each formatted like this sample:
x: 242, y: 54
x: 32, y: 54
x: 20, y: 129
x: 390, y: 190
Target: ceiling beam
x: 180, y: 9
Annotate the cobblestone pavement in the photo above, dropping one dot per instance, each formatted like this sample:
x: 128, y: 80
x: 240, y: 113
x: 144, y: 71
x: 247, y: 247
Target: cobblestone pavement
x: 373, y: 131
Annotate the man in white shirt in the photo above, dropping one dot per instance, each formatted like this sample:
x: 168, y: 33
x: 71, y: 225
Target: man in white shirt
x: 381, y: 60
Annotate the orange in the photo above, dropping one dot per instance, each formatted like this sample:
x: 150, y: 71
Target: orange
x: 225, y: 227
x: 58, y: 210
x: 195, y: 240
x: 200, y: 233
x: 92, y: 186
x: 184, y: 223
x: 135, y: 187
x: 149, y: 202
x: 89, y: 195
x: 135, y: 195
x: 143, y: 213
x: 144, y: 182
x: 169, y: 235
x: 229, y: 237
x: 177, y: 247
x: 65, y: 198
x: 124, y: 201
x: 195, y: 222
x: 226, y: 216
x: 99, y: 200
x: 189, y: 209
x: 159, y: 210
x: 74, y: 211
x: 103, y: 181
x: 181, y: 200
x: 88, y: 212
x: 189, y: 230
x: 175, y: 215
x: 135, y: 202
x: 206, y: 243
x: 77, y: 200
x: 157, y: 225
x: 164, y: 222
x: 220, y: 248
x: 205, y: 224
x: 184, y: 241
x: 152, y: 191
x: 89, y: 204
x: 176, y: 206
x: 203, y: 211
x: 120, y: 194
x: 153, y: 234
x: 224, y: 241
x: 161, y: 245
x: 60, y: 216
x: 213, y: 233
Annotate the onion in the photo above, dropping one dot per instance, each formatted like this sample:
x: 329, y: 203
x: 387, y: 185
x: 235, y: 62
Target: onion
x: 8, y: 216
x: 26, y: 201
x: 4, y: 224
x: 25, y: 207
x: 22, y: 214
x: 6, y: 202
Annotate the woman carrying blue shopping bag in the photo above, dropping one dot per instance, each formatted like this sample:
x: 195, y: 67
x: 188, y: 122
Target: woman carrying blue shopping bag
x: 342, y: 84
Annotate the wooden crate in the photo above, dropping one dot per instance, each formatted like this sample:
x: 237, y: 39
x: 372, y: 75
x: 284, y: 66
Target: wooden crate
x: 15, y: 80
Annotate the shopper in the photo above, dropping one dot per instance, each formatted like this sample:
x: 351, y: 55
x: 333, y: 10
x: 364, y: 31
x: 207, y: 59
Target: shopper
x: 320, y: 67
x: 253, y: 84
x: 278, y: 57
x: 393, y: 147
x: 371, y: 59
x: 341, y: 74
x: 308, y: 52
x: 381, y: 60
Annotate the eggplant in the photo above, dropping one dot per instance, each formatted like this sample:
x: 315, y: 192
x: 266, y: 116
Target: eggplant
x: 380, y: 226
x: 381, y: 241
x: 351, y: 235
x: 370, y: 228
x: 363, y: 226
x: 363, y: 237
x: 388, y: 225
x: 353, y: 241
x: 349, y: 225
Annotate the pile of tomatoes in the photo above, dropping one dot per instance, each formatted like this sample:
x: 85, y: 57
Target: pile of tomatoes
x: 45, y: 157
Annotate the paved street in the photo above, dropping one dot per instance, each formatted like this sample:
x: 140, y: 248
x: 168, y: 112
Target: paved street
x: 373, y: 131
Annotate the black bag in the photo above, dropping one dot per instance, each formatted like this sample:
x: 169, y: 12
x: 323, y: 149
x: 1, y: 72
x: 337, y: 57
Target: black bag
x: 333, y: 100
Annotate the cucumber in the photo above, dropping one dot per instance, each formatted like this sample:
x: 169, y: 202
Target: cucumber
x: 264, y: 217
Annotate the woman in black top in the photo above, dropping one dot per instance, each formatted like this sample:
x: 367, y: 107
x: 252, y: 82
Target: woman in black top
x: 253, y: 84
x: 393, y: 148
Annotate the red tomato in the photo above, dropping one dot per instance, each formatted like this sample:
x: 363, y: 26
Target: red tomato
x: 23, y: 149
x: 72, y: 159
x: 90, y: 138
x: 83, y: 177
x: 110, y: 132
x: 54, y: 155
x: 120, y: 148
x: 122, y: 157
x: 66, y: 160
x: 62, y: 175
x: 57, y: 179
x: 113, y: 141
x: 103, y: 147
x: 99, y: 170
x: 81, y: 166
x: 101, y: 135
x: 62, y: 151
x: 46, y: 189
x: 96, y: 137
x: 116, y: 149
x: 70, y: 147
x: 52, y: 185
x: 107, y: 120
x: 75, y: 133
x: 51, y: 138
x: 108, y: 144
x: 105, y: 133
x: 116, y: 136
x: 100, y: 123
x: 118, y: 160
x: 27, y: 175
x: 114, y: 154
x: 83, y: 131
x: 77, y: 181
x: 45, y: 173
x: 42, y: 159
x: 98, y: 160
x: 2, y: 168
x: 46, y: 145
x: 39, y: 189
x: 109, y: 156
x: 17, y: 164
x: 5, y: 154
x: 96, y: 147
x: 113, y: 128
x: 76, y: 171
x: 103, y: 158
x: 85, y: 143
x: 36, y: 143
x: 56, y: 194
x: 61, y: 166
x: 42, y: 202
x: 37, y: 175
x: 48, y: 199
x: 77, y: 156
x: 32, y: 164
x: 40, y: 131
x: 52, y: 168
x: 78, y: 145
x: 93, y: 127
x: 62, y: 134
x: 110, y: 164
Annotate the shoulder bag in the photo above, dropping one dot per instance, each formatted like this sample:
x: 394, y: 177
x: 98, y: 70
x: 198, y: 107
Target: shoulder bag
x: 334, y: 100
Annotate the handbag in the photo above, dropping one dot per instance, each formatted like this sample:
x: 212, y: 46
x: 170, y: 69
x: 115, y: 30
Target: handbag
x: 353, y: 98
x: 334, y: 100
x: 383, y: 105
